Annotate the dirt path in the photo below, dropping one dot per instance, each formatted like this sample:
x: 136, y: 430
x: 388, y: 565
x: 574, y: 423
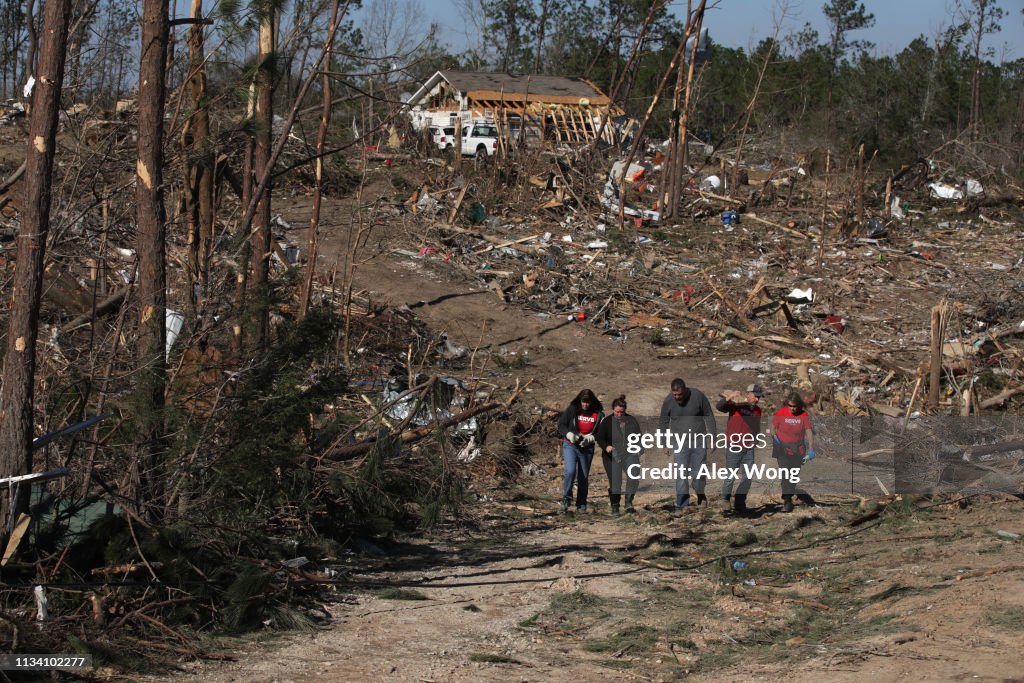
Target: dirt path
x: 524, y: 594
x: 533, y: 596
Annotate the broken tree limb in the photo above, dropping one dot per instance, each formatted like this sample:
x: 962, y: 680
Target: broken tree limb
x: 991, y: 449
x: 498, y: 242
x: 791, y: 351
x: 1002, y: 397
x: 940, y: 314
x: 105, y: 306
x: 737, y: 310
x: 778, y: 226
x: 760, y: 597
x: 13, y: 178
x: 989, y: 572
x: 458, y: 203
x: 411, y: 435
x: 506, y: 243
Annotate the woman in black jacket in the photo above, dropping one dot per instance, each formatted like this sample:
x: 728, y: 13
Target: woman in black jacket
x: 577, y: 426
x: 613, y: 438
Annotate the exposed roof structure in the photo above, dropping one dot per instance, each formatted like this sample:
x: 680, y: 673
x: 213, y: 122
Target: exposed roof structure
x: 560, y: 89
x: 570, y: 108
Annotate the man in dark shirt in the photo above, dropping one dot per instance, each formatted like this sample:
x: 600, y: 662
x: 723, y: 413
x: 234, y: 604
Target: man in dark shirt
x: 687, y: 414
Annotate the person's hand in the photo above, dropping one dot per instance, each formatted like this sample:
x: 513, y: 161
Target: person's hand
x: 572, y: 438
x: 587, y: 440
x: 811, y: 455
x: 609, y: 449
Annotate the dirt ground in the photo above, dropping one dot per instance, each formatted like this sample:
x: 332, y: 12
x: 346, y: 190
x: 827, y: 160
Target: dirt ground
x: 852, y: 590
x: 928, y: 588
x: 529, y: 595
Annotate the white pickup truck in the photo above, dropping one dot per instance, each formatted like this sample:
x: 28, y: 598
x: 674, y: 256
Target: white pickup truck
x: 479, y: 140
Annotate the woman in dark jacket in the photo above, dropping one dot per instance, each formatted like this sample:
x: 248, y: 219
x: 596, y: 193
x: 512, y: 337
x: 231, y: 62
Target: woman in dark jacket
x: 577, y: 426
x: 613, y: 438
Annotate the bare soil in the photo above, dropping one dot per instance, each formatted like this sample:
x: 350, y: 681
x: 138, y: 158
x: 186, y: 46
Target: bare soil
x: 518, y: 592
x: 926, y: 590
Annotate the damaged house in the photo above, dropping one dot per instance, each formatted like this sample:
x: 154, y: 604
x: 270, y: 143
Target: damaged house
x: 554, y: 108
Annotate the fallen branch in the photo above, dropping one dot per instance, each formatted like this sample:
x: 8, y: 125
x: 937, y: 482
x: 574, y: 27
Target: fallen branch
x: 989, y: 572
x: 105, y: 306
x: 1002, y: 397
x: 990, y: 449
x: 778, y: 599
x: 13, y: 178
x: 411, y: 435
x: 793, y: 352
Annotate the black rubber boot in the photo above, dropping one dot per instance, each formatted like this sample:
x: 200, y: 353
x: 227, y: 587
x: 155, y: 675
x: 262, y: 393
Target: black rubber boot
x: 702, y: 499
x: 629, y: 503
x: 806, y: 499
x: 614, y: 498
x: 740, y: 504
x: 787, y: 503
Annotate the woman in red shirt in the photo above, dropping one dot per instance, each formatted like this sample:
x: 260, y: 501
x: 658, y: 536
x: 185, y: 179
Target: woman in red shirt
x: 577, y: 426
x: 793, y: 445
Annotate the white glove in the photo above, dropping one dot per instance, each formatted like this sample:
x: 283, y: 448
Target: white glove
x: 572, y: 437
x: 587, y: 440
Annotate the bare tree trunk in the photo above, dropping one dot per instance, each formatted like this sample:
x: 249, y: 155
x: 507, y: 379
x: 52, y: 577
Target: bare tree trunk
x: 677, y: 155
x: 261, y: 160
x: 17, y: 396
x: 541, y: 29
x: 150, y: 237
x: 33, y: 38
x: 860, y: 185
x: 750, y: 107
x: 321, y: 144
x: 638, y: 136
x: 242, y: 276
x: 634, y: 54
x: 975, y: 116
x: 200, y: 158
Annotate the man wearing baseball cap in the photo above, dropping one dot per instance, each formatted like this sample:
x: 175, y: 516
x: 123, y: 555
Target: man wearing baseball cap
x: 741, y: 430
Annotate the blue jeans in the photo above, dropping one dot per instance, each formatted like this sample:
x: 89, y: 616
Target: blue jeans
x: 736, y: 459
x: 689, y: 460
x: 577, y: 467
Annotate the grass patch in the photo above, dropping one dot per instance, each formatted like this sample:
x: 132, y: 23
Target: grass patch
x: 814, y: 626
x: 771, y: 569
x: 489, y: 658
x: 617, y: 663
x: 529, y: 623
x: 715, y: 661
x: 1007, y: 618
x: 897, y: 590
x: 578, y: 602
x: 400, y: 594
x: 636, y: 638
x: 898, y: 513
x: 741, y: 540
x: 655, y: 337
x: 516, y: 362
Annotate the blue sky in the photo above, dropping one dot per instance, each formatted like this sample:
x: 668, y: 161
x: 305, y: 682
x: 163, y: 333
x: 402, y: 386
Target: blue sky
x: 742, y: 23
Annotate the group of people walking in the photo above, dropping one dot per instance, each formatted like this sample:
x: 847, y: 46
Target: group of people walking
x: 686, y: 414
